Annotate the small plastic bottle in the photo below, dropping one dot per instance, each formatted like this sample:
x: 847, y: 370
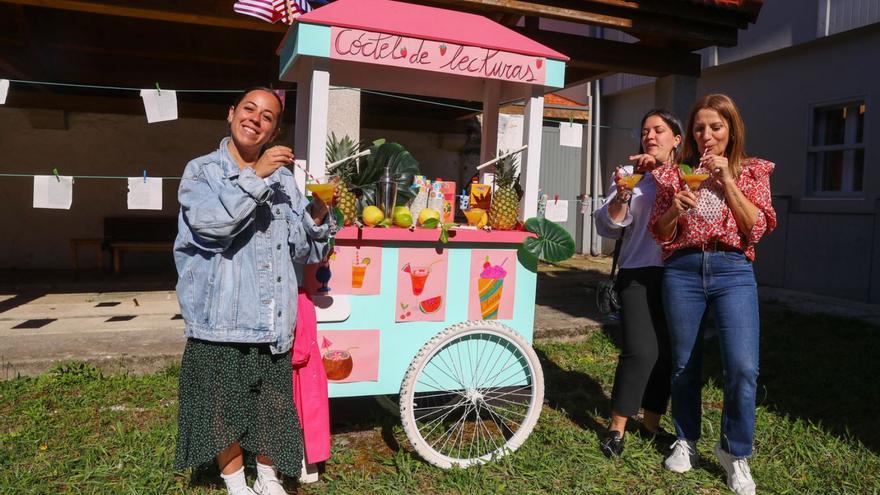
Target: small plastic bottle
x: 421, y: 200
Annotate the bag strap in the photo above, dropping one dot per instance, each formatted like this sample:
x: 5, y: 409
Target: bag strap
x: 617, y: 245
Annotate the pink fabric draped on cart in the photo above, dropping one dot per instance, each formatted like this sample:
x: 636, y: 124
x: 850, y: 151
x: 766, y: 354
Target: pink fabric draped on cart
x: 310, y: 383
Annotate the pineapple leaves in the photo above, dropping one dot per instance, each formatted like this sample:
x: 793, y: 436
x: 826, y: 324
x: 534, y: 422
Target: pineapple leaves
x: 403, y: 167
x: 554, y: 243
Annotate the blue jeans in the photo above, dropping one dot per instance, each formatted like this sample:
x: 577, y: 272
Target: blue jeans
x: 693, y: 283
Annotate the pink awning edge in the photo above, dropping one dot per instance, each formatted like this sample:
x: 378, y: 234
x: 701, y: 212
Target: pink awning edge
x: 431, y: 23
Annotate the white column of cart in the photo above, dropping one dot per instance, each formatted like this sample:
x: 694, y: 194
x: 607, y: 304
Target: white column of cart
x: 530, y: 171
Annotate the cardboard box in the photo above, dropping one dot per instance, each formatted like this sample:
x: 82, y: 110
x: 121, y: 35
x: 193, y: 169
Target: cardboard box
x: 480, y: 196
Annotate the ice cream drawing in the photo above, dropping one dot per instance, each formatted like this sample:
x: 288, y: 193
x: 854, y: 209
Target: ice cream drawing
x: 490, y: 286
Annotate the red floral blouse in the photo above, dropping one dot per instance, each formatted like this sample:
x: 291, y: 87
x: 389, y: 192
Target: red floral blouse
x: 712, y: 222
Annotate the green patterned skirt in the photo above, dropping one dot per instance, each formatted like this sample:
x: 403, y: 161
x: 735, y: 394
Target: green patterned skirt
x: 237, y: 392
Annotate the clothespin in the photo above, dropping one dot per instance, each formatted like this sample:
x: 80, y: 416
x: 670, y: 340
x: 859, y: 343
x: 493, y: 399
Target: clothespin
x: 145, y: 176
x: 555, y: 199
x: 57, y: 177
x: 570, y: 120
x: 158, y: 90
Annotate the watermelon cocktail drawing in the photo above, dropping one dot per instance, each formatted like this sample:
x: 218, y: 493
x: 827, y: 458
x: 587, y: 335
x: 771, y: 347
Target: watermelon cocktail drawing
x: 419, y: 276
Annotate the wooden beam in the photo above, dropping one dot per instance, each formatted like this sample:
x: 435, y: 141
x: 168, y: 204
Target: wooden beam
x: 726, y: 17
x: 152, y: 14
x: 602, y: 55
x: 633, y: 22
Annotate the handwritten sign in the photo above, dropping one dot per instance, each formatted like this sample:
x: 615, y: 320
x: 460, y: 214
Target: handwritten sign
x: 401, y: 51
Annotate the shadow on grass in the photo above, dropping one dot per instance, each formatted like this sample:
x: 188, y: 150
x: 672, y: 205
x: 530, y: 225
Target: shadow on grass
x: 569, y: 290
x: 818, y: 368
x: 574, y: 393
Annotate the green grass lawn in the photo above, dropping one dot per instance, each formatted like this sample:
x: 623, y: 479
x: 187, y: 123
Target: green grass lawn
x: 75, y: 431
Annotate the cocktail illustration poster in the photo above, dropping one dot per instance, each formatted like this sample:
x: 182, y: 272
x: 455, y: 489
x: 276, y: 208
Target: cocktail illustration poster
x: 421, y: 285
x: 348, y: 270
x: 350, y: 355
x: 492, y: 284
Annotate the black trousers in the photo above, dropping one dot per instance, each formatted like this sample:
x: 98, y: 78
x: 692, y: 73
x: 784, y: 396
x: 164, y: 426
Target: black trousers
x: 643, y: 374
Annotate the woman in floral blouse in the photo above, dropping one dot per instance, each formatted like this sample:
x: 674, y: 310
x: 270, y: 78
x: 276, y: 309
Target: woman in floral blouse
x: 707, y: 233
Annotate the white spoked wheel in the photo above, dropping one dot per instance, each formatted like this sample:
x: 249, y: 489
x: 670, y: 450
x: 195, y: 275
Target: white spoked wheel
x: 472, y: 394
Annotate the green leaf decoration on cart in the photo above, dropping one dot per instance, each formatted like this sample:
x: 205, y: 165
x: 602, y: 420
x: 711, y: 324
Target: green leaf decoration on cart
x: 553, y: 244
x: 403, y: 167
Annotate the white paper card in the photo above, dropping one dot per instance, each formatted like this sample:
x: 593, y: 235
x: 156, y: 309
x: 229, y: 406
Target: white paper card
x: 556, y: 211
x: 4, y: 90
x: 570, y: 134
x: 50, y: 192
x: 510, y: 132
x: 160, y: 105
x: 144, y: 195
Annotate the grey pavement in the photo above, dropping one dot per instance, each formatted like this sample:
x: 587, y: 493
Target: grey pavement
x: 141, y: 331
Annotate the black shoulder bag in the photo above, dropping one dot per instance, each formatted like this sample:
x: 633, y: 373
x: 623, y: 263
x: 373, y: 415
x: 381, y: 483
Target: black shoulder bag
x: 607, y: 299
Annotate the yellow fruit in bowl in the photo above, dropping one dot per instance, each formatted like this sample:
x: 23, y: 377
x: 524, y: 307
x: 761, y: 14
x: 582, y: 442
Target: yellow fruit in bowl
x: 402, y: 217
x: 428, y: 214
x: 372, y: 215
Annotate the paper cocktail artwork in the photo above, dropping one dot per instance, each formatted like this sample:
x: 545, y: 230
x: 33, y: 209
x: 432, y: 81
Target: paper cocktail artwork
x: 492, y: 284
x: 350, y: 355
x: 348, y: 270
x: 421, y: 285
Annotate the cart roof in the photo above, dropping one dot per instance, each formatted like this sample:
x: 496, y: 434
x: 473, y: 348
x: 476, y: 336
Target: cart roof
x: 430, y: 23
x: 394, y: 46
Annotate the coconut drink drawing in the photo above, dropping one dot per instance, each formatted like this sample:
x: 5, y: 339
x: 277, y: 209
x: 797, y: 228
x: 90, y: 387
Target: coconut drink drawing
x: 490, y: 286
x: 337, y: 362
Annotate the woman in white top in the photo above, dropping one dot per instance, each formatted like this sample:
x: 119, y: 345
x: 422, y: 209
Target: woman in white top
x: 642, y: 379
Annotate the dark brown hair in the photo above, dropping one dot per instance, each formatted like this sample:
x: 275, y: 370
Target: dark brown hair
x: 669, y: 119
x: 736, y: 141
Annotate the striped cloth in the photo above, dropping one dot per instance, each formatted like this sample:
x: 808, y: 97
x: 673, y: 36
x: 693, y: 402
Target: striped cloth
x: 273, y: 11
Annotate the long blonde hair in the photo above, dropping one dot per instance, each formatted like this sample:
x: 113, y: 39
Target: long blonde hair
x: 736, y: 142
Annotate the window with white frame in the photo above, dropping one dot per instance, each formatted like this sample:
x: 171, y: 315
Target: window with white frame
x: 836, y: 155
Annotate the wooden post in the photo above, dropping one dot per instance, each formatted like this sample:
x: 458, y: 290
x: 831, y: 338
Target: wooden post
x: 489, y: 141
x: 530, y: 168
x: 319, y: 101
x: 301, y: 132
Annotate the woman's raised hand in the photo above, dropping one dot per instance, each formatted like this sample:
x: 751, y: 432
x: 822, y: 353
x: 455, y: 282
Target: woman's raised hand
x: 643, y: 161
x: 717, y: 166
x: 273, y: 159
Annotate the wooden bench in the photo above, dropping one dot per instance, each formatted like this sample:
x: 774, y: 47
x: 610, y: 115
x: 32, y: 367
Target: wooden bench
x: 138, y: 233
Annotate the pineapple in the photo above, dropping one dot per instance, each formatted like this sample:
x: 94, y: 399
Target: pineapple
x: 505, y: 200
x: 338, y: 149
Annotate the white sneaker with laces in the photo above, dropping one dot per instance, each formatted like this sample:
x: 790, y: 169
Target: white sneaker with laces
x: 739, y: 476
x: 269, y: 486
x: 684, y: 456
x: 242, y: 490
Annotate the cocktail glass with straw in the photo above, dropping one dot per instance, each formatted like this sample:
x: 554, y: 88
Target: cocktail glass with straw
x: 325, y: 193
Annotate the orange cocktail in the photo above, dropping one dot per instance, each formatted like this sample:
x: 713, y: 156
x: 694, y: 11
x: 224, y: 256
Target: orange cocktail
x: 693, y: 180
x: 474, y: 215
x: 630, y: 181
x: 322, y: 191
x: 418, y: 277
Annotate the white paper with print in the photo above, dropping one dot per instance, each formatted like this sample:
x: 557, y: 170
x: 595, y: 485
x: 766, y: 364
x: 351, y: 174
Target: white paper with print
x: 53, y: 192
x: 556, y: 211
x: 144, y: 195
x: 160, y: 105
x: 571, y: 134
x: 510, y: 132
x: 4, y: 90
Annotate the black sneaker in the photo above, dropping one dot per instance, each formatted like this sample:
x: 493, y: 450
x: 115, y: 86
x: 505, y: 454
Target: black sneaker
x: 612, y: 444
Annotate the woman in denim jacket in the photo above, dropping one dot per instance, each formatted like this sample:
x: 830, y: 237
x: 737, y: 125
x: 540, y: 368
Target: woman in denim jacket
x: 243, y: 224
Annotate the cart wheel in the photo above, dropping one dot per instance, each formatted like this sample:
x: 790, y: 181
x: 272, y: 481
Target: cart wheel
x: 472, y: 394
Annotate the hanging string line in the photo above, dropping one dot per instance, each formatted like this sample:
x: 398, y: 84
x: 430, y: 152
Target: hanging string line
x: 91, y: 176
x: 378, y: 93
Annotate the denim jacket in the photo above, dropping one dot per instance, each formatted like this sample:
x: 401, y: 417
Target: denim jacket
x: 237, y: 241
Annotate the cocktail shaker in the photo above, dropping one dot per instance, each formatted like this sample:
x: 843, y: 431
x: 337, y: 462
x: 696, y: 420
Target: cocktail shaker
x: 386, y: 193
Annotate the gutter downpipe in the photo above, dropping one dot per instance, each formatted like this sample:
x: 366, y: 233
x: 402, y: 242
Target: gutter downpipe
x: 595, y: 118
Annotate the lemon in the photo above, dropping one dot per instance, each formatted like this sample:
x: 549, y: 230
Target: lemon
x: 402, y: 217
x: 372, y: 215
x: 427, y: 214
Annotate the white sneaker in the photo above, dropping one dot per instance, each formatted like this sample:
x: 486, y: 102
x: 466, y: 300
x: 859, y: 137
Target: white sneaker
x: 739, y: 476
x: 244, y: 490
x: 269, y: 486
x: 684, y: 456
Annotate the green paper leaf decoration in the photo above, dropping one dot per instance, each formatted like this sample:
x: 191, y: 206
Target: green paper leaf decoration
x: 430, y: 223
x: 685, y: 168
x: 554, y: 243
